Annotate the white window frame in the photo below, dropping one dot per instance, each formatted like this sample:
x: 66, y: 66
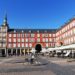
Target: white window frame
x: 47, y: 45
x: 22, y: 39
x: 30, y: 45
x: 38, y: 35
x: 18, y: 44
x: 10, y: 35
x: 46, y: 39
x: 14, y: 40
x: 19, y: 40
x: 38, y: 39
x: 26, y: 39
x: 26, y: 44
x: 9, y: 40
x: 14, y: 45
x: 14, y: 35
x: 22, y: 44
x: 9, y: 45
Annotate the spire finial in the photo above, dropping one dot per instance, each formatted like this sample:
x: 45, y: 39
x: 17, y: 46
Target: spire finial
x: 5, y: 20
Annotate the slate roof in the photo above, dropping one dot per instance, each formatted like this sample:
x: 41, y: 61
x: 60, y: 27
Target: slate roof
x: 32, y: 30
x: 69, y: 21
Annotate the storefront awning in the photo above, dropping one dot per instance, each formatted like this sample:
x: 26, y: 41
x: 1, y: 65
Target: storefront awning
x: 72, y: 46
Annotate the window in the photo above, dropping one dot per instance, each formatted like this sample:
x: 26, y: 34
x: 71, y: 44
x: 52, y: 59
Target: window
x: 31, y: 40
x: 4, y: 35
x: 9, y: 45
x: 38, y: 35
x: 26, y: 35
x: 32, y: 35
x: 0, y: 39
x: 66, y: 34
x: 51, y: 45
x: 38, y: 39
x: 18, y: 40
x: 4, y: 39
x: 0, y: 44
x: 73, y: 24
x: 49, y: 35
x: 14, y: 31
x: 74, y: 31
x: 14, y: 45
x: 10, y: 35
x: 74, y: 38
x: 71, y: 39
x: 46, y: 39
x: 22, y: 39
x: 43, y: 35
x: 54, y: 35
x: 26, y: 39
x: 46, y: 44
x: 4, y: 30
x: 18, y: 35
x: 22, y: 44
x: 46, y: 35
x: 54, y: 39
x: 18, y: 44
x: 62, y: 30
x: 22, y: 35
x: 43, y: 39
x: 14, y: 40
x: 30, y: 45
x: 14, y: 35
x: 26, y: 45
x: 50, y: 39
x: 4, y: 45
x: 0, y: 34
x: 9, y: 39
x: 71, y: 32
x: 68, y: 27
x: 66, y: 41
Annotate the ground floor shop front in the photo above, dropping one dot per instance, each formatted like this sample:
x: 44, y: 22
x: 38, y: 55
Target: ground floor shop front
x: 15, y: 51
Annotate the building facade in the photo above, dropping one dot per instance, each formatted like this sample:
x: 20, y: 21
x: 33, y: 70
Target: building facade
x: 66, y: 34
x: 22, y: 41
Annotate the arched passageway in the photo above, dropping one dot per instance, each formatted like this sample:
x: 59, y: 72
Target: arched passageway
x: 38, y: 48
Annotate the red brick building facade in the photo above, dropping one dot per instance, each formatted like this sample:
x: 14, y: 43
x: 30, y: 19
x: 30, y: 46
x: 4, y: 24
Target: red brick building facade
x: 21, y: 41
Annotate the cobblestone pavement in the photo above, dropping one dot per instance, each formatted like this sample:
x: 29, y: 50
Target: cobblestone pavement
x: 11, y: 67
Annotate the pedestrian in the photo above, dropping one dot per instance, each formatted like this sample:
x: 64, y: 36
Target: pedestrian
x: 32, y: 59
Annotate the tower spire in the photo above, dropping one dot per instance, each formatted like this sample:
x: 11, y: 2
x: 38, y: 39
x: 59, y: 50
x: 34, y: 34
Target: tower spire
x: 5, y: 20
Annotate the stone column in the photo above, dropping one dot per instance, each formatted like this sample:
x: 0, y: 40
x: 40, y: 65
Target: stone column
x: 24, y: 51
x: 72, y: 53
x: 28, y: 51
x: 16, y: 52
x: 20, y: 52
x: 11, y: 51
x: 5, y: 52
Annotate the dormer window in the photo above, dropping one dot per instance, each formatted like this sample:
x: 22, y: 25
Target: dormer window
x: 38, y: 31
x: 45, y: 31
x: 29, y: 31
x: 22, y: 31
x: 14, y: 31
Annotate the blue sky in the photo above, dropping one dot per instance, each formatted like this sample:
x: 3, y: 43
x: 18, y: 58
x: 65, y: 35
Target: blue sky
x: 37, y: 14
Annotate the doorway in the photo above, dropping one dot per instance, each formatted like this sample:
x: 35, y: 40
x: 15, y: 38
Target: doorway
x: 38, y: 48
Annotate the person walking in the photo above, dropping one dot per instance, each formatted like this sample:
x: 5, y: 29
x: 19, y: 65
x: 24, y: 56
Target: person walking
x: 32, y: 59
